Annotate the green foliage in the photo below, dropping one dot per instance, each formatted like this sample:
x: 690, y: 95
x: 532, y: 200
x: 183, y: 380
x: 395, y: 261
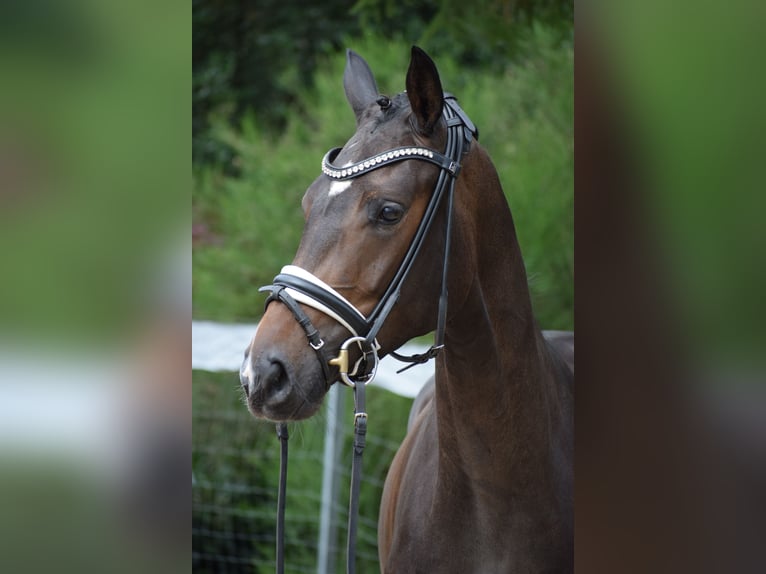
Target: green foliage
x: 527, y: 119
x: 256, y: 56
x: 261, y: 55
x: 251, y: 222
x: 248, y: 226
x: 488, y: 33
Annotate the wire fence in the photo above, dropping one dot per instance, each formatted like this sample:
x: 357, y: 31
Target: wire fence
x: 235, y: 469
x: 235, y: 465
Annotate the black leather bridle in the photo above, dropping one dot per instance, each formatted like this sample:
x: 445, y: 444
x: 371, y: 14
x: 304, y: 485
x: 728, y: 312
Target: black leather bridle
x: 294, y: 286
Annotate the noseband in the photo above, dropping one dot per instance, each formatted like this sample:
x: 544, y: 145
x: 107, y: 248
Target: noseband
x: 294, y: 286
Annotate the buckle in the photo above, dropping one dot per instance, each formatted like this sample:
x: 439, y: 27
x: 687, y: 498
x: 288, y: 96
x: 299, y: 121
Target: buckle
x: 342, y: 362
x: 317, y: 346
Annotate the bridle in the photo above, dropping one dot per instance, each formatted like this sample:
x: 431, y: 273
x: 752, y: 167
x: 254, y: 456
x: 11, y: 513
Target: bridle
x: 294, y: 286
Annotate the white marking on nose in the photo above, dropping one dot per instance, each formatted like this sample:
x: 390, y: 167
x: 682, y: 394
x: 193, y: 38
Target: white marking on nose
x: 246, y: 370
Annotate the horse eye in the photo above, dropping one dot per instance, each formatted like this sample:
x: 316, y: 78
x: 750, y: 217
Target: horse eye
x: 390, y: 214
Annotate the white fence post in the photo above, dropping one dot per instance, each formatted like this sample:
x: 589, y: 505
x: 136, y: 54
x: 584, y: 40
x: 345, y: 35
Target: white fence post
x: 333, y: 440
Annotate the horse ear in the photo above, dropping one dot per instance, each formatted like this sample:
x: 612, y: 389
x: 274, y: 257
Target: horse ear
x: 424, y: 90
x: 359, y: 83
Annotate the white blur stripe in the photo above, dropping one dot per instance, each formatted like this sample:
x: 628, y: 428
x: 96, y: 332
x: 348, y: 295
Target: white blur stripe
x: 220, y: 347
x: 58, y: 407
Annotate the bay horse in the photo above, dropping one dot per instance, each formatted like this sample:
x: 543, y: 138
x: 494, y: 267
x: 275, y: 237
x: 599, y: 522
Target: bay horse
x: 483, y: 481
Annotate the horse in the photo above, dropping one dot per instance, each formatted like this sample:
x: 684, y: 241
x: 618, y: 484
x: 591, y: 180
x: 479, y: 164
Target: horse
x: 483, y: 481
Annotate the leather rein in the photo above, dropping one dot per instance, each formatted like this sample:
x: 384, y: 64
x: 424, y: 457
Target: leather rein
x: 294, y: 286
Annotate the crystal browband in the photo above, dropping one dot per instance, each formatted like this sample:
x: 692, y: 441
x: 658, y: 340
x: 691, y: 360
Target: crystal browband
x: 386, y: 158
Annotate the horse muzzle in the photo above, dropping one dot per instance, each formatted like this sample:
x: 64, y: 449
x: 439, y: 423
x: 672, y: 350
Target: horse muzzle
x: 281, y: 384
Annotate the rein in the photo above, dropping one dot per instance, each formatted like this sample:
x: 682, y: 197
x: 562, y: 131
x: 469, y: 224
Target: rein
x: 294, y: 286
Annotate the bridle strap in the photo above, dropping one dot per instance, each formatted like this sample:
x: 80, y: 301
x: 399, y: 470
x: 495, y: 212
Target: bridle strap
x: 353, y: 319
x: 360, y: 439
x: 441, y: 321
x: 417, y: 358
x: 279, y: 293
x: 383, y: 307
x: 283, y: 437
x: 459, y: 135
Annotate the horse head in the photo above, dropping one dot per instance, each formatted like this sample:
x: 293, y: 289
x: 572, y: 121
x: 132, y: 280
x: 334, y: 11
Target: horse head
x: 360, y: 222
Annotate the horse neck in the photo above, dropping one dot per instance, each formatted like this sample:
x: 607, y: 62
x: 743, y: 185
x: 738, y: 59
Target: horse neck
x: 494, y: 385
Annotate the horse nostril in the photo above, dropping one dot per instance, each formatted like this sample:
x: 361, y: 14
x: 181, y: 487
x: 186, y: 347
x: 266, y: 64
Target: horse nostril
x: 273, y: 376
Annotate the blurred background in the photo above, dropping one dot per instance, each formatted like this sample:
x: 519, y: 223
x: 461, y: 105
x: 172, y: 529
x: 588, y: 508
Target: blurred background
x: 95, y: 286
x: 670, y: 400
x: 268, y: 102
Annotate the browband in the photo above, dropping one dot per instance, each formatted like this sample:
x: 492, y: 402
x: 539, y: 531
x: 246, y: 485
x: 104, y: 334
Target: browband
x: 383, y: 159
